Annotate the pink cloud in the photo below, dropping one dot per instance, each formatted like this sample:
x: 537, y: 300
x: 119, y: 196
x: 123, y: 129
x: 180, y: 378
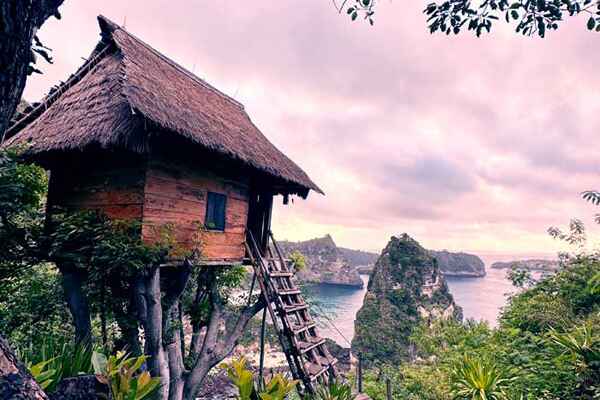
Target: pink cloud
x: 470, y: 144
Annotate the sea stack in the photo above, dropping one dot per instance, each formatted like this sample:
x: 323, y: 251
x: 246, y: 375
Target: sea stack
x: 406, y: 288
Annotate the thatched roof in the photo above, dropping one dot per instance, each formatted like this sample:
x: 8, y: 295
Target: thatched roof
x: 126, y: 87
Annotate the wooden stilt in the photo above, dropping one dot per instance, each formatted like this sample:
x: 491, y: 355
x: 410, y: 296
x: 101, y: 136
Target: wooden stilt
x: 261, y: 376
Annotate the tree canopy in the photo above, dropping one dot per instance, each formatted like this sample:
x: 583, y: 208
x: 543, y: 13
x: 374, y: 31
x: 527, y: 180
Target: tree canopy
x: 529, y: 17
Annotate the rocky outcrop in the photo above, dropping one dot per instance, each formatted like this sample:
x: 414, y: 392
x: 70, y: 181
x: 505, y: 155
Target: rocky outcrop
x: 324, y: 263
x: 530, y: 265
x: 358, y: 258
x: 459, y: 264
x: 406, y: 288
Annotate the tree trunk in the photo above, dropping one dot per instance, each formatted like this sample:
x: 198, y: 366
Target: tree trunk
x: 174, y: 282
x: 176, y: 366
x: 215, y: 350
x: 15, y: 381
x: 19, y: 20
x: 72, y: 281
x: 158, y: 363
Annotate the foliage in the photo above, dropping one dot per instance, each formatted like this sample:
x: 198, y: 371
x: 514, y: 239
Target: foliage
x: 58, y: 360
x: 124, y: 377
x: 530, y: 17
x: 546, y: 347
x: 36, y: 304
x: 297, y: 260
x: 22, y: 195
x: 335, y: 390
x: 520, y: 277
x: 478, y: 379
x: 276, y: 388
x: 583, y: 344
x: 240, y: 376
x: 44, y: 375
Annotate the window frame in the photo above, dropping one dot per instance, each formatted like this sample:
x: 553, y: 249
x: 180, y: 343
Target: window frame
x: 215, y: 228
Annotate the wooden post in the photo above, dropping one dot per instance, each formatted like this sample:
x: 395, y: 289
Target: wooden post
x: 262, y: 349
x: 388, y: 388
x: 360, y: 372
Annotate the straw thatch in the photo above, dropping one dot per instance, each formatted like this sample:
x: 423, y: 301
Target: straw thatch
x: 127, y: 92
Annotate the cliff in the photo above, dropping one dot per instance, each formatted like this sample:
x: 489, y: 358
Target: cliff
x: 324, y: 262
x: 358, y: 258
x: 406, y: 288
x: 459, y: 264
x: 531, y: 265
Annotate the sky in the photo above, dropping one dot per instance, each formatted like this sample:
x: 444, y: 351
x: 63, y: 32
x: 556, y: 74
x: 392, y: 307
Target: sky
x: 467, y: 144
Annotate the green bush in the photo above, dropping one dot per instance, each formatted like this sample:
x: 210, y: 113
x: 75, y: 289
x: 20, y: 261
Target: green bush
x: 35, y: 304
x: 55, y: 360
x: 124, y: 376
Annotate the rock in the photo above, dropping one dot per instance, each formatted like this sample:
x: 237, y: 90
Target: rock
x: 358, y: 258
x: 530, y: 265
x: 16, y: 383
x: 85, y: 387
x: 324, y: 263
x: 405, y: 289
x: 342, y: 354
x: 365, y: 269
x: 459, y: 264
x: 217, y: 386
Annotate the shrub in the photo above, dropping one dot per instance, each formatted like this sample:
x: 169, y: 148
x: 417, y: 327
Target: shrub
x: 124, y: 377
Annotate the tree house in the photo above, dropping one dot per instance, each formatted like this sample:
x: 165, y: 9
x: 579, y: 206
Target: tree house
x: 137, y: 136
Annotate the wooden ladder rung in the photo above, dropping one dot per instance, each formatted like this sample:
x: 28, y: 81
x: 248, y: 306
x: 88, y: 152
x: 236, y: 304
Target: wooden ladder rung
x: 315, y: 376
x: 311, y: 345
x: 280, y: 274
x: 296, y: 329
x: 288, y: 292
x: 294, y: 308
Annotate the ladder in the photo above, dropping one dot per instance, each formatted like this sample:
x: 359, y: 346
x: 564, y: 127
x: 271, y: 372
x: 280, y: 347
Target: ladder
x: 306, y: 353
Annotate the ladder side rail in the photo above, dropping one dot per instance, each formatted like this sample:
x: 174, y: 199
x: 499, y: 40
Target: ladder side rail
x: 295, y: 363
x: 324, y: 348
x: 295, y: 372
x: 278, y: 251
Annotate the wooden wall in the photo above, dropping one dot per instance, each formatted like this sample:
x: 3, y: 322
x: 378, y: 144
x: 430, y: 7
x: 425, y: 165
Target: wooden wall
x: 157, y: 192
x: 111, y: 182
x: 175, y: 193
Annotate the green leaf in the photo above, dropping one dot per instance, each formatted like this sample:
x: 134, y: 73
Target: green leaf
x: 99, y: 363
x: 591, y: 24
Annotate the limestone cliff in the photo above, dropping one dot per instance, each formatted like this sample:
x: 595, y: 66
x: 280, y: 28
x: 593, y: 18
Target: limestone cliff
x: 358, y: 258
x: 531, y: 265
x: 459, y: 264
x: 324, y: 263
x: 406, y: 288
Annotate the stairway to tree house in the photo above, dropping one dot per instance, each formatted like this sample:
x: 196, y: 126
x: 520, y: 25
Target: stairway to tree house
x: 306, y: 353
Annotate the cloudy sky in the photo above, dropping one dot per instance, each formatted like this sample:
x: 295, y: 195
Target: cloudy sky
x: 467, y: 144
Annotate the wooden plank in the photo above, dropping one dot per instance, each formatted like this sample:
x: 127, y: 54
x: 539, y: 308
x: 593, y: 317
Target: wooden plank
x: 176, y: 194
x: 113, y: 189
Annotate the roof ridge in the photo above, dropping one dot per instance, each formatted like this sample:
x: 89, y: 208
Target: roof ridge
x: 97, y: 55
x: 169, y: 61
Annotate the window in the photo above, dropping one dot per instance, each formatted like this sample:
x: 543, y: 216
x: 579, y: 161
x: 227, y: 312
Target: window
x: 215, y: 211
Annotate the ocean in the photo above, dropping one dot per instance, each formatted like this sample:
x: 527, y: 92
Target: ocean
x: 480, y: 299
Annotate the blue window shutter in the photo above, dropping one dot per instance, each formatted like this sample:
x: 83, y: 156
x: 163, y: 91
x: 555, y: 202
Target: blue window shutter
x: 215, y: 211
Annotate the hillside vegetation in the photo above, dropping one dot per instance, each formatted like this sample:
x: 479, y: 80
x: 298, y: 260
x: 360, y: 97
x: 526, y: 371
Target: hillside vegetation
x: 547, y: 346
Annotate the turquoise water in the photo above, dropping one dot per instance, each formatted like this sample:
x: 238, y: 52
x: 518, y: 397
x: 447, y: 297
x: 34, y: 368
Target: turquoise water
x: 480, y: 298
